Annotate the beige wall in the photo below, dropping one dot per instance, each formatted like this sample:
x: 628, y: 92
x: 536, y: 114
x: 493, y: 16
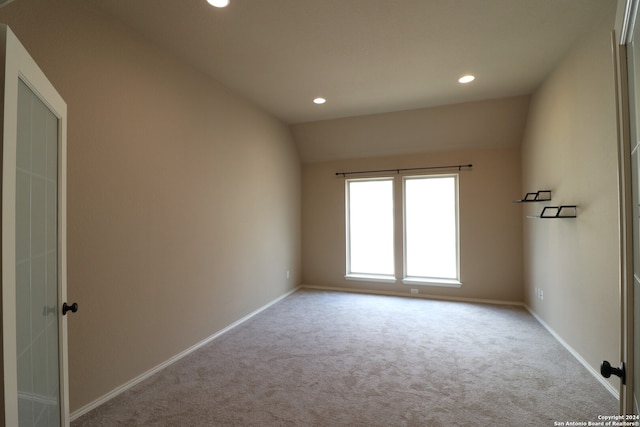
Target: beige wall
x: 183, y: 199
x: 494, y: 123
x: 490, y: 224
x: 570, y: 148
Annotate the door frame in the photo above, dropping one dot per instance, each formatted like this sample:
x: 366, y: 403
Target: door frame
x: 18, y: 64
x: 621, y: 37
x: 626, y: 231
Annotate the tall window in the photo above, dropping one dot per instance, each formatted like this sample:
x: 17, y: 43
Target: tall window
x: 370, y: 249
x: 429, y: 222
x: 431, y: 227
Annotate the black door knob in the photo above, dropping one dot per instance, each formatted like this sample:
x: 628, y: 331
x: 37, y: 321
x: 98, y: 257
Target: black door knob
x: 607, y: 370
x: 73, y: 308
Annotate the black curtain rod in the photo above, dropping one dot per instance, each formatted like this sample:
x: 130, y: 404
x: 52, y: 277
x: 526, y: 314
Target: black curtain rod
x: 459, y: 167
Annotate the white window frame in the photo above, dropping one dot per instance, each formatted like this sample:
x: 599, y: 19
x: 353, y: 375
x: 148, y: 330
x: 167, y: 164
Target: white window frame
x: 370, y: 277
x: 407, y: 280
x: 431, y: 281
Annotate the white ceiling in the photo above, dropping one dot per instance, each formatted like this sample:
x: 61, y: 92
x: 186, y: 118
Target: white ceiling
x: 366, y: 56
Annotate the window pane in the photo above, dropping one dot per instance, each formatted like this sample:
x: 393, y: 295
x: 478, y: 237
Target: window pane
x: 431, y: 227
x: 370, y: 222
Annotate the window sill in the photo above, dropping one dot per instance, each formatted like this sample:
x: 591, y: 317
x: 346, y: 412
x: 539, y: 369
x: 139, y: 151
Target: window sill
x: 425, y: 281
x: 371, y: 278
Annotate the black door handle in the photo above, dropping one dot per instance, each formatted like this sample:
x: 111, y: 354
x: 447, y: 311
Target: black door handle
x: 607, y: 370
x: 73, y: 308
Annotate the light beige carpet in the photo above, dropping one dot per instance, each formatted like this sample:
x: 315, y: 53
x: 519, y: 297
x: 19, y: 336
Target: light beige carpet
x: 338, y: 359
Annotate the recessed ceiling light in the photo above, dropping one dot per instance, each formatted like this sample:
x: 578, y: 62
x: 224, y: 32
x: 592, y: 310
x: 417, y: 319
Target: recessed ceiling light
x: 319, y: 100
x: 218, y: 3
x: 466, y: 79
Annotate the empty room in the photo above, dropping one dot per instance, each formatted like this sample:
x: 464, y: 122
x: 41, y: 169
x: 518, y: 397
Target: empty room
x: 319, y: 212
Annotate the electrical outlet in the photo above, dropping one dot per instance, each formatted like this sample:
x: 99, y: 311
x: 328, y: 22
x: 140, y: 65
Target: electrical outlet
x: 288, y: 274
x: 541, y: 294
x: 414, y: 292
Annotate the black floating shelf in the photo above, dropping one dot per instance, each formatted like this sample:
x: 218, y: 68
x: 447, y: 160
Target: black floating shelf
x: 538, y: 196
x: 555, y: 212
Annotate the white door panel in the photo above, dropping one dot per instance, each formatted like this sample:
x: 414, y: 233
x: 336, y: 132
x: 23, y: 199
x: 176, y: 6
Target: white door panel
x: 33, y: 243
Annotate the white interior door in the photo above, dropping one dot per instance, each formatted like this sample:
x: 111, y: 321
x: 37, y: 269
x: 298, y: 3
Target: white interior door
x: 630, y: 406
x: 33, y: 243
x: 628, y: 78
x: 633, y: 73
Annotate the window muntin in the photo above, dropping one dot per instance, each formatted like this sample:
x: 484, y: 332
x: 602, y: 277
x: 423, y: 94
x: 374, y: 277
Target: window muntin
x: 431, y: 238
x: 370, y: 223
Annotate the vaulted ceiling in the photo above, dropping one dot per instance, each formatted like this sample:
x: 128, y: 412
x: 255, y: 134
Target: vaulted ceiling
x: 365, y: 56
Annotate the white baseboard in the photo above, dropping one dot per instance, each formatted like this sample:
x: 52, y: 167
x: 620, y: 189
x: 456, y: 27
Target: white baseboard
x: 595, y: 373
x: 404, y: 294
x: 126, y: 386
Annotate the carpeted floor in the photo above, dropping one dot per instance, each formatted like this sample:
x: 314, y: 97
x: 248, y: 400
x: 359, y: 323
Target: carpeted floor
x: 338, y: 359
